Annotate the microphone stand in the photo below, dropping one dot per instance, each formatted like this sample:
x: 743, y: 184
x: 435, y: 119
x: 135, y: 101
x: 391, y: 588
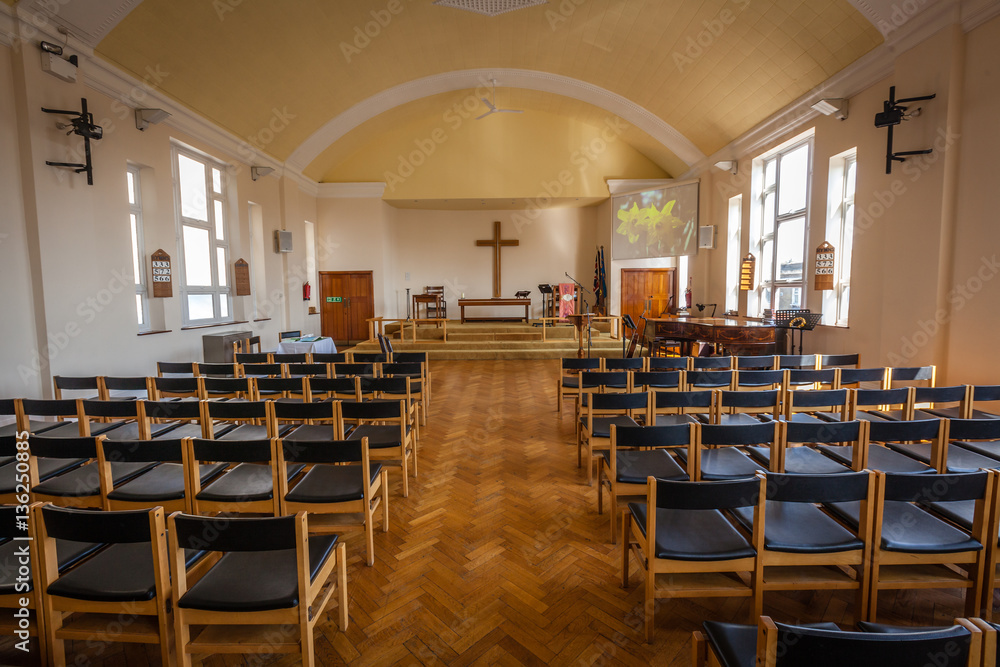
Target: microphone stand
x: 586, y: 309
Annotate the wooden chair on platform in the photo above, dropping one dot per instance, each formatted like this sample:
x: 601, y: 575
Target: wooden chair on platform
x: 341, y: 491
x: 239, y: 614
x: 771, y: 644
x: 637, y: 453
x: 128, y: 579
x: 432, y: 308
x: 681, y: 534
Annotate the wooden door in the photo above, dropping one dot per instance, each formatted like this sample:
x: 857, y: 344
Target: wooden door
x: 347, y: 301
x: 655, y: 286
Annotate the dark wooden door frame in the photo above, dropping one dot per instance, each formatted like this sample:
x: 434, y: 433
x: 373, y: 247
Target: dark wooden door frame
x: 362, y: 330
x: 671, y: 289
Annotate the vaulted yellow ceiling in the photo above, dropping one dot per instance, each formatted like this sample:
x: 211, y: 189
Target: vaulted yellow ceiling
x: 707, y: 70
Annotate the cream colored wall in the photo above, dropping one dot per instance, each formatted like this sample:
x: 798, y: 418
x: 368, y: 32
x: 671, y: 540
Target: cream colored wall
x: 82, y: 291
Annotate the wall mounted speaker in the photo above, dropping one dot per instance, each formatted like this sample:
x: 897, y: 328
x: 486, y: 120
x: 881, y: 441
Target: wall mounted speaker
x: 282, y: 241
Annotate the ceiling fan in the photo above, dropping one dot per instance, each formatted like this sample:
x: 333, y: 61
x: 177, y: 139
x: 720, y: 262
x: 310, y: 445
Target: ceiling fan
x: 492, y: 106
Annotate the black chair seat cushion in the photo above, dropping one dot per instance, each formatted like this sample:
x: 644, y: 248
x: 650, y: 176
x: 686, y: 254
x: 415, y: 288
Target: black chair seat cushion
x: 36, y: 427
x: 960, y: 459
x: 571, y: 382
x: 332, y: 484
x: 736, y: 645
x: 879, y: 458
x: 85, y: 480
x: 693, y: 535
x: 130, y: 431
x: 908, y: 528
x: 634, y: 466
x: 252, y: 432
x: 194, y: 431
x: 801, y: 460
x: 960, y: 512
x: 312, y: 433
x: 379, y: 437
x: 805, y: 418
x: 874, y: 415
x: 47, y: 469
x: 671, y: 420
x: 162, y: 483
x: 739, y: 419
x: 247, y: 581
x: 119, y: 573
x: 800, y: 528
x: 884, y: 629
x: 72, y: 429
x: 68, y: 553
x: 990, y: 448
x: 602, y: 425
x: 247, y: 482
x: 724, y: 463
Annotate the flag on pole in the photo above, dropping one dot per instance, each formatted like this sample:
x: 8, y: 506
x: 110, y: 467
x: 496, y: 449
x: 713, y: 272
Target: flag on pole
x: 600, y: 279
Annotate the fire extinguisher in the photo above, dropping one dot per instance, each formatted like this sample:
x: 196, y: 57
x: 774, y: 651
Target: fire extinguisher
x: 306, y: 291
x: 687, y: 295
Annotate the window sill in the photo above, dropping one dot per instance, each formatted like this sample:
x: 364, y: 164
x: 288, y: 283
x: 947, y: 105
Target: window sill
x: 217, y: 324
x: 150, y: 333
x: 263, y: 319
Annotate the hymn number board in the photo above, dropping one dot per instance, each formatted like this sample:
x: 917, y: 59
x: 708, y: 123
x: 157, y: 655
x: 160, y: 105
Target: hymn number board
x: 824, y: 267
x: 747, y: 272
x: 162, y: 282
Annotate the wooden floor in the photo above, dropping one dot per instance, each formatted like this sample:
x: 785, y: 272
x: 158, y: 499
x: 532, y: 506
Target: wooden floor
x: 499, y: 556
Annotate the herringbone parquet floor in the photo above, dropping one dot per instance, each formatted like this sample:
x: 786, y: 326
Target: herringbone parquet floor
x: 499, y: 556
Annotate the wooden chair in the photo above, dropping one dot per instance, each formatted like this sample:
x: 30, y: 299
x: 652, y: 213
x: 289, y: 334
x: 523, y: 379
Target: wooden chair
x: 747, y: 407
x: 20, y: 581
x: 242, y: 618
x: 793, y: 453
x: 338, y: 388
x: 718, y: 452
x: 637, y: 453
x: 771, y: 644
x: 390, y: 437
x: 163, y: 485
x: 137, y: 388
x: 306, y: 422
x: 289, y: 358
x: 912, y: 375
x: 394, y: 389
x: 681, y: 533
x: 252, y: 357
x: 419, y: 385
x: 160, y: 388
x: 330, y: 357
x: 756, y: 362
x: 432, y: 308
x: 983, y: 394
x: 800, y: 547
x: 568, y: 382
x: 216, y: 388
x: 246, y: 484
x: 368, y: 357
x: 416, y: 358
x: 281, y: 389
x: 282, y: 335
x: 668, y: 363
x: 658, y: 380
x: 301, y: 370
x: 599, y: 382
x: 625, y: 364
x: 8, y: 408
x: 128, y: 579
x: 124, y: 415
x: 882, y: 404
x: 91, y: 385
x: 263, y: 370
x: 798, y: 361
x: 958, y: 398
x: 710, y: 379
x: 341, y: 491
x: 759, y: 379
x: 80, y: 486
x: 174, y: 368
x: 914, y: 549
x: 720, y: 363
x: 183, y: 416
x: 355, y: 370
x: 219, y: 370
x: 840, y: 361
x: 875, y: 378
x: 812, y: 379
x: 60, y: 409
x: 602, y: 412
x: 816, y: 406
x: 886, y: 450
x: 249, y: 418
x: 682, y: 407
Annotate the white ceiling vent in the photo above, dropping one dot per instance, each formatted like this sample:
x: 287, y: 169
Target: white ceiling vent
x: 490, y: 7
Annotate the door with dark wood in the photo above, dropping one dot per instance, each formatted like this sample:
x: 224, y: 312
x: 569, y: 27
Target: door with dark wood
x: 347, y: 301
x: 655, y: 287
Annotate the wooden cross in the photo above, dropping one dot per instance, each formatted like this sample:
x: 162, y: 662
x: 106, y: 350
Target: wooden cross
x: 496, y: 243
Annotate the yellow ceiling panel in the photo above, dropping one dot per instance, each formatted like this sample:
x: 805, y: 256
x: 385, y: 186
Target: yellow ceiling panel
x: 252, y: 67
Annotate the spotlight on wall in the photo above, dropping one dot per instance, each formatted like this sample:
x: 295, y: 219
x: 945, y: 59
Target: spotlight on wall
x: 257, y: 173
x: 49, y: 47
x: 835, y: 106
x: 146, y: 117
x: 728, y: 165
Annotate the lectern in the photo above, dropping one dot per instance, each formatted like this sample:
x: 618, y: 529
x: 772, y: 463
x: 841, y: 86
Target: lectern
x: 580, y: 321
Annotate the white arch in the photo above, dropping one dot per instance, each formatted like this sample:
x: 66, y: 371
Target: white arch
x: 417, y: 89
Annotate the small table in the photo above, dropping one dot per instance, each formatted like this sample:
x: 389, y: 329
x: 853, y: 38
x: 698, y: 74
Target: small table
x: 296, y: 346
x: 463, y: 303
x: 427, y: 300
x: 580, y: 321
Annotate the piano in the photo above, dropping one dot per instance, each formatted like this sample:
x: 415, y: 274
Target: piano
x: 736, y: 335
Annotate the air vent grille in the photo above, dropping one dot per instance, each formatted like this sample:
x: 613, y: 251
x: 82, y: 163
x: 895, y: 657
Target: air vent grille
x: 490, y: 7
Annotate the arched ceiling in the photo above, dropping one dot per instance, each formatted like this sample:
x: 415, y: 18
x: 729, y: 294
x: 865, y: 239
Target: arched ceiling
x: 285, y: 75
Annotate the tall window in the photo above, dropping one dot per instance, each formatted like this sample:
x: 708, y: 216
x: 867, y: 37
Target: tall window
x: 204, y: 238
x: 257, y: 255
x: 733, y: 253
x: 780, y: 227
x: 840, y: 234
x: 138, y: 248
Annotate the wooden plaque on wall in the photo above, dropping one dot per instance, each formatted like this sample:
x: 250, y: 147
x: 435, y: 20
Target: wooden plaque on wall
x: 747, y: 266
x: 162, y: 277
x: 241, y: 271
x: 824, y: 267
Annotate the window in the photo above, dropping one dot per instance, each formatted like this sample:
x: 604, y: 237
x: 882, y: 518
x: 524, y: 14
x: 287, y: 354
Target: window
x: 311, y: 274
x: 840, y: 234
x: 138, y: 248
x: 261, y: 310
x: 780, y: 227
x: 203, y: 237
x: 683, y: 280
x: 733, y: 254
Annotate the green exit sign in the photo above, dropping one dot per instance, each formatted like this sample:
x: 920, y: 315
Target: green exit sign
x: 334, y: 299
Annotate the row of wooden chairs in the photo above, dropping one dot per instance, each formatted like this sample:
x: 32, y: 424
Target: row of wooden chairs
x: 863, y: 531
x: 970, y: 642
x: 215, y: 585
x: 391, y: 426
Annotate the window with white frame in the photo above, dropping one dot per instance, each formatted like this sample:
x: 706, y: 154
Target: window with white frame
x: 733, y: 253
x: 203, y: 238
x: 840, y: 234
x: 780, y: 227
x: 138, y: 248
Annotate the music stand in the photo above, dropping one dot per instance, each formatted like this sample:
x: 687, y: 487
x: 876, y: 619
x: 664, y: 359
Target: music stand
x: 548, y: 301
x: 800, y: 320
